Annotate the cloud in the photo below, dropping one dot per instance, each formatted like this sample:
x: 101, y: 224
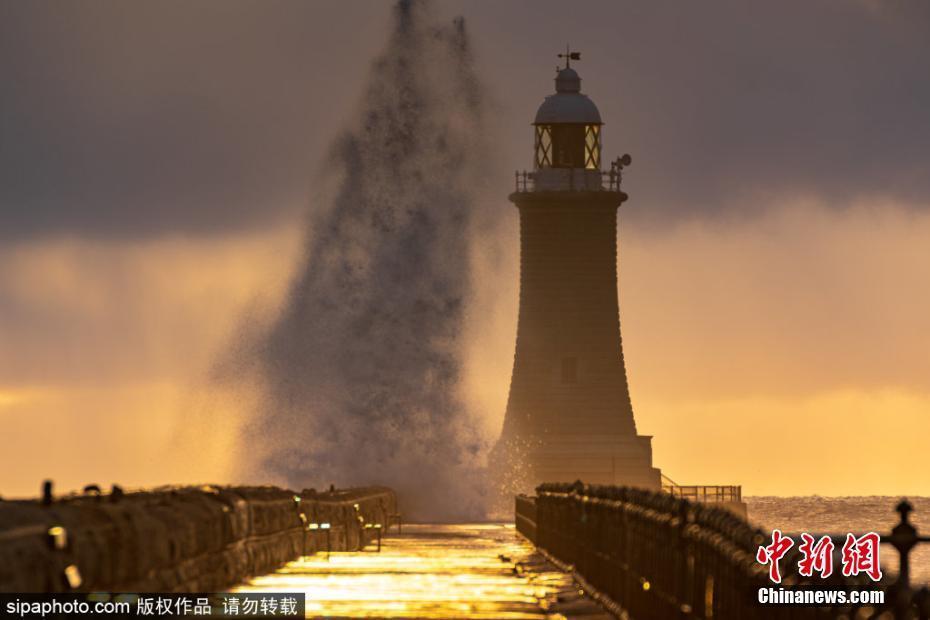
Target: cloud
x: 730, y: 107
x: 106, y: 350
x: 807, y: 318
x: 785, y: 341
x: 82, y: 313
x: 152, y: 119
x: 803, y: 300
x: 141, y: 144
x: 132, y: 120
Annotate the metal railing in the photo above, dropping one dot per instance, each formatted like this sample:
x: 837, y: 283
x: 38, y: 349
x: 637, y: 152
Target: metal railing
x: 660, y: 556
x: 354, y: 517
x: 69, y: 543
x: 525, y: 516
x: 525, y: 181
x: 705, y: 494
x: 609, y: 180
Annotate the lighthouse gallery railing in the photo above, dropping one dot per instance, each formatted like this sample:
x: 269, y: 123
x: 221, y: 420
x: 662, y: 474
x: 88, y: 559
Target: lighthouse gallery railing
x: 577, y: 180
x: 573, y: 179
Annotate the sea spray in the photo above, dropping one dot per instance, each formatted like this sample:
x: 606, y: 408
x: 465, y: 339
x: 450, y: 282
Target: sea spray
x: 360, y: 373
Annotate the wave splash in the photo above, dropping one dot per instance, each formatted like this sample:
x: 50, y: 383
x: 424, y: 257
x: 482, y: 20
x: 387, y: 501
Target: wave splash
x: 360, y: 373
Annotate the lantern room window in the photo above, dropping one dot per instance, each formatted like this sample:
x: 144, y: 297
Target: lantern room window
x: 543, y: 146
x: 568, y: 145
x: 592, y: 147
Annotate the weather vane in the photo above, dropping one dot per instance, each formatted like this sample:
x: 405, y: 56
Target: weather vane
x: 569, y: 56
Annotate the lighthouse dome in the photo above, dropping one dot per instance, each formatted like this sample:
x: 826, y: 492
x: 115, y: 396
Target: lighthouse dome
x: 568, y: 105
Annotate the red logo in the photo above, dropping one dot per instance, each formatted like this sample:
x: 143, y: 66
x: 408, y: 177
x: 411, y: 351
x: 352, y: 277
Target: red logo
x: 860, y: 555
x: 817, y: 556
x: 773, y: 553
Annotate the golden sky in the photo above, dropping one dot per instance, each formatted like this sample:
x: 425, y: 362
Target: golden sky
x: 783, y: 353
x: 786, y: 353
x: 158, y: 161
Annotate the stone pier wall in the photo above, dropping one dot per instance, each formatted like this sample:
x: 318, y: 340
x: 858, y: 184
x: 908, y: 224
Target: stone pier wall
x: 644, y: 554
x: 179, y: 539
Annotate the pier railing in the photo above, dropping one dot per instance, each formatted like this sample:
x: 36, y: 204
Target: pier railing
x: 706, y: 494
x: 178, y: 539
x: 703, y: 493
x: 655, y: 555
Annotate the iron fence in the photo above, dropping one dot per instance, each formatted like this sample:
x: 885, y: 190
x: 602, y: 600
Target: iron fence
x: 661, y: 556
x: 574, y: 180
x: 706, y: 493
x: 577, y: 178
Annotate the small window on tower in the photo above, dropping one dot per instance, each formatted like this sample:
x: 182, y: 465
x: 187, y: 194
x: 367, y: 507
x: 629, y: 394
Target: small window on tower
x: 569, y: 370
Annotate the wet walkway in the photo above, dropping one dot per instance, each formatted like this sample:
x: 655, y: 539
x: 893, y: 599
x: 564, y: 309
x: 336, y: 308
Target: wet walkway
x: 435, y: 571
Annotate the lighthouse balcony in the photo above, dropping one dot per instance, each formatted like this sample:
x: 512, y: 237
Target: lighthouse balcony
x: 568, y: 180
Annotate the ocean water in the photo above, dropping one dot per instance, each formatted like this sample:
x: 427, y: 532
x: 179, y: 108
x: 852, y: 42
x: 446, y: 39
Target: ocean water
x: 834, y: 515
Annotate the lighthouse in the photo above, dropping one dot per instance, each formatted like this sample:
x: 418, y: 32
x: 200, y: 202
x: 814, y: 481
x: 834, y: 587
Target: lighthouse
x: 569, y: 415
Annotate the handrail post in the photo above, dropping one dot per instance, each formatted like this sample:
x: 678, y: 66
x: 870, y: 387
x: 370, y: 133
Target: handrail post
x: 904, y: 538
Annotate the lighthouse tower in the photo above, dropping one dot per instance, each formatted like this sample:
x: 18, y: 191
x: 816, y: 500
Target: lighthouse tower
x: 569, y: 415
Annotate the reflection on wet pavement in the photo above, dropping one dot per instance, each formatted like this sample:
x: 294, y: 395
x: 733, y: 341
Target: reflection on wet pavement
x: 435, y: 571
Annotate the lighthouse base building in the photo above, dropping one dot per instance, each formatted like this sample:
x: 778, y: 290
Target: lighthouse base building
x: 569, y: 415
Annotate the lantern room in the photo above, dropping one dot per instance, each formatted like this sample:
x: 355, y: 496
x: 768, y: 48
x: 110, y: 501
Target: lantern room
x: 568, y: 126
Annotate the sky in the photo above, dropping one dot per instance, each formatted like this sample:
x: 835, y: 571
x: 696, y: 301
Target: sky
x: 158, y: 162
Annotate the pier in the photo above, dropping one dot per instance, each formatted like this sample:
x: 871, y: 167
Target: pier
x: 571, y: 551
x: 477, y: 570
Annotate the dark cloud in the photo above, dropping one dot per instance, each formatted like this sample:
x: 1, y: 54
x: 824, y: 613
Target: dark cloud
x: 147, y: 118
x: 129, y: 118
x: 724, y: 104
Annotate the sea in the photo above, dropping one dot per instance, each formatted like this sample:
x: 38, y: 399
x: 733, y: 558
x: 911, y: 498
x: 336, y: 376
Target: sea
x: 839, y: 515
